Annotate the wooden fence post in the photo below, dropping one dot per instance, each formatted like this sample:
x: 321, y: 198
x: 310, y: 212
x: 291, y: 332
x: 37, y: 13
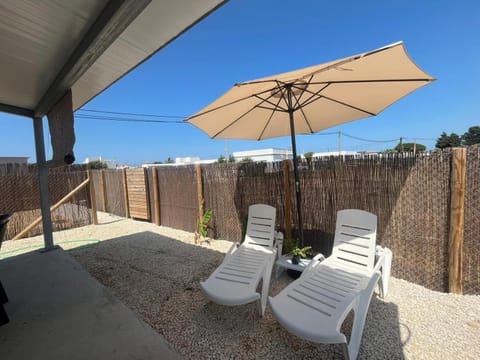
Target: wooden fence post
x: 288, y: 203
x: 104, y: 190
x: 457, y: 221
x: 156, y: 197
x: 200, y: 192
x: 93, y: 200
x: 125, y: 193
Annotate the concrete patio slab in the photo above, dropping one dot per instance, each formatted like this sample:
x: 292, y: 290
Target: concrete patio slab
x: 58, y: 311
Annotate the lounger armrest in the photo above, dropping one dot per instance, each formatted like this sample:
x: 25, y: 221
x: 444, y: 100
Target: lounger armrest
x: 316, y: 260
x: 278, y: 242
x: 233, y: 248
x: 383, y: 265
x: 379, y: 258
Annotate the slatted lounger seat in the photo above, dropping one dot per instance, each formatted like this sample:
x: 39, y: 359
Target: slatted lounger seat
x: 236, y: 280
x: 314, y: 306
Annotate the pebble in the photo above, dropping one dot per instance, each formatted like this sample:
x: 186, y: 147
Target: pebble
x: 156, y: 271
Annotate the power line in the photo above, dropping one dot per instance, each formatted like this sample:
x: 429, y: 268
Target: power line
x: 134, y: 114
x: 416, y: 138
x: 327, y: 133
x: 368, y: 140
x: 122, y: 119
x: 127, y: 119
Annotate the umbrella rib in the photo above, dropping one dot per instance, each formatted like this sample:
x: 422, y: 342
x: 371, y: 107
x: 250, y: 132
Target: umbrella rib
x: 309, y: 100
x: 303, y: 113
x: 230, y: 103
x: 267, y: 100
x: 371, y: 81
x: 273, y: 92
x: 270, y: 108
x: 246, y: 113
x: 233, y: 122
x: 303, y: 89
x: 268, y: 121
x: 348, y: 105
x: 313, y: 95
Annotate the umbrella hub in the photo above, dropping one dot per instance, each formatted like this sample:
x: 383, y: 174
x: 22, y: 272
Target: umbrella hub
x: 296, y: 89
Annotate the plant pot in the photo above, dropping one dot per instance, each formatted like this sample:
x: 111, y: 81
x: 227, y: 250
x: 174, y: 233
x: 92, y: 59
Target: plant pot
x: 296, y: 259
x: 294, y: 274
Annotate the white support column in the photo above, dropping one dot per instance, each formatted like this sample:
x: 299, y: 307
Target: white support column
x: 43, y: 181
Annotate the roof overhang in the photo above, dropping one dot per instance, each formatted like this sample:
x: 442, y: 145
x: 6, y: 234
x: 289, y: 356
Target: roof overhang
x: 49, y: 47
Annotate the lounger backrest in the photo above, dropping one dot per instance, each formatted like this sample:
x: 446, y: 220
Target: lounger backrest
x: 355, y: 239
x: 261, y: 225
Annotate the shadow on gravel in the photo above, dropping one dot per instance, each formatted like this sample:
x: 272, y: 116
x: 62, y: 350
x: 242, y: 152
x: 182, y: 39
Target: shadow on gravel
x: 158, y: 278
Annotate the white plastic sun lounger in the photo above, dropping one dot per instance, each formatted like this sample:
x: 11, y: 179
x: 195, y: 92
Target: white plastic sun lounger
x: 236, y: 280
x: 314, y: 306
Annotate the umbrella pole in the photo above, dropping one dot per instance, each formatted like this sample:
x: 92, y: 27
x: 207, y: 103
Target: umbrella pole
x: 295, y: 168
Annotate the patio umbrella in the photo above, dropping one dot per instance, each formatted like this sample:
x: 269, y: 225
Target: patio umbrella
x: 312, y: 99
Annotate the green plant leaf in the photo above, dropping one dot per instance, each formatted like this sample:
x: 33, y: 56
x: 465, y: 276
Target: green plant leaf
x: 202, y: 226
x: 302, y: 252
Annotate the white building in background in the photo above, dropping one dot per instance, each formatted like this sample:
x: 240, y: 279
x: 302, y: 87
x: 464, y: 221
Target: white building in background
x: 334, y: 153
x: 179, y: 161
x: 14, y: 159
x: 186, y: 160
x: 111, y: 164
x: 265, y: 155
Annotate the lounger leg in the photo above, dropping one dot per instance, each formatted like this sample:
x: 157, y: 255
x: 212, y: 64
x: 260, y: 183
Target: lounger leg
x: 386, y: 270
x: 360, y: 315
x: 265, y: 287
x: 346, y: 355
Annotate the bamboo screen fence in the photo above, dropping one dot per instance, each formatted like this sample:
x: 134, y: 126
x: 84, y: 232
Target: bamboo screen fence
x: 19, y: 193
x: 115, y: 196
x: 178, y: 197
x: 412, y: 197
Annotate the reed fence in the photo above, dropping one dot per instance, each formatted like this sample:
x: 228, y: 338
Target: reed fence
x: 19, y: 193
x: 431, y: 225
x: 412, y: 197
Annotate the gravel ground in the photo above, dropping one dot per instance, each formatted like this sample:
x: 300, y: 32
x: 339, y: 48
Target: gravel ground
x: 156, y: 272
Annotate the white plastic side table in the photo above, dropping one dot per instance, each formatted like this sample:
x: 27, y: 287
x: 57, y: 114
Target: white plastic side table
x: 285, y: 262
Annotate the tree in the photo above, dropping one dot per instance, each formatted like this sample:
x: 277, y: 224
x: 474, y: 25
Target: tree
x: 221, y: 159
x: 169, y: 160
x: 231, y: 159
x: 97, y: 164
x: 472, y: 136
x: 443, y: 141
x: 409, y: 147
x: 446, y: 141
x: 308, y: 156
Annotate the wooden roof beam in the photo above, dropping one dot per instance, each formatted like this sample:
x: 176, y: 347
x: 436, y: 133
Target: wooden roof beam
x: 112, y: 21
x: 15, y: 110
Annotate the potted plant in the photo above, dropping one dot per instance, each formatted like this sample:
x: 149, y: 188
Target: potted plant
x: 300, y: 253
x: 297, y: 254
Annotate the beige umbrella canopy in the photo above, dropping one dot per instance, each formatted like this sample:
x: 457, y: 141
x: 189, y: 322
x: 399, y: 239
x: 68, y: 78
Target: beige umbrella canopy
x: 312, y: 99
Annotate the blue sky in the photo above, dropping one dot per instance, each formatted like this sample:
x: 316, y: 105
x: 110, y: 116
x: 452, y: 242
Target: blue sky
x: 249, y: 39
